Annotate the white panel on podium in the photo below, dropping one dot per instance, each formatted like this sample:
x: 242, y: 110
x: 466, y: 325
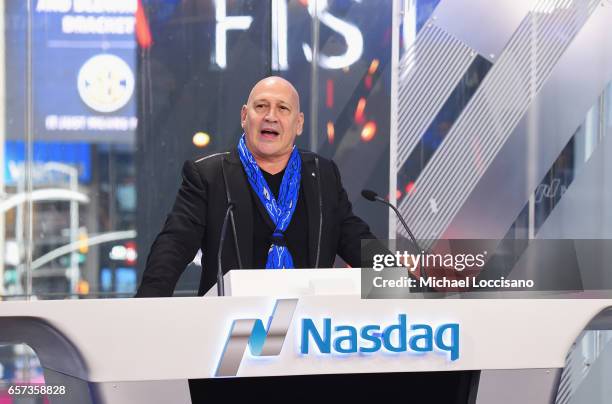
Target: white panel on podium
x: 119, y: 349
x: 291, y: 283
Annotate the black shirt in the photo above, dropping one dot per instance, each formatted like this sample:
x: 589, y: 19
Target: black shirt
x: 296, y: 234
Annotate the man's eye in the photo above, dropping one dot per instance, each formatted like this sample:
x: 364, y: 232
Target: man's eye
x: 284, y: 108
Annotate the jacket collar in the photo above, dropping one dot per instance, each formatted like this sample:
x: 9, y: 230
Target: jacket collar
x: 310, y: 185
x: 239, y: 189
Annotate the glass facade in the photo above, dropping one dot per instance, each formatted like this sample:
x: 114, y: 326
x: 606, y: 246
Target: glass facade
x: 105, y: 100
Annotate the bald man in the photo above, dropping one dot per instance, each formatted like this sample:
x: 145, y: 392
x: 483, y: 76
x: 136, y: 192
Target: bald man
x: 290, y: 209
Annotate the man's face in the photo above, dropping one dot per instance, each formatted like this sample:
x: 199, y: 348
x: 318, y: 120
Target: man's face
x: 271, y: 118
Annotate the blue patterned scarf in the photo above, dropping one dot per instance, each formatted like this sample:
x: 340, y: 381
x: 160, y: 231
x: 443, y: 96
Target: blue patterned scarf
x: 280, y: 210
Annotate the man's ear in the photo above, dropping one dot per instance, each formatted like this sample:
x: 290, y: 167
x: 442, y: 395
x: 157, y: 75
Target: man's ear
x: 300, y: 127
x: 243, y: 114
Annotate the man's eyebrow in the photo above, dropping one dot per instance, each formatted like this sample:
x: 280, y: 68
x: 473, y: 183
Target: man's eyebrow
x: 284, y: 102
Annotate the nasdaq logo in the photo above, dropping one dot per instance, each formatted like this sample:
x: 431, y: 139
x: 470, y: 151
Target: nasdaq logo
x: 327, y: 338
x: 251, y: 333
x: 399, y: 337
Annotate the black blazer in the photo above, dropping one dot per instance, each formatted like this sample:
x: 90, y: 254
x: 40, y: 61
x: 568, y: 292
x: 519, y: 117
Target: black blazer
x: 197, y: 217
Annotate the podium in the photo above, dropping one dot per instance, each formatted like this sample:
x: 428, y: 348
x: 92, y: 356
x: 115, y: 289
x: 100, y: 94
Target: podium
x: 153, y: 350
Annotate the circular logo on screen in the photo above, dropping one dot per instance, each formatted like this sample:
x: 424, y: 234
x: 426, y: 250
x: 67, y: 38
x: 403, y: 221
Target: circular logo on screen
x: 105, y: 83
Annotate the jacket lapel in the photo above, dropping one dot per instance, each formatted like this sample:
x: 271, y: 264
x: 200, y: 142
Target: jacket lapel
x: 243, y: 213
x: 311, y: 196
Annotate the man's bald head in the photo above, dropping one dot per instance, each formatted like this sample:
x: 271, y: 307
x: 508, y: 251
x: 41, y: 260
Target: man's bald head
x: 274, y: 83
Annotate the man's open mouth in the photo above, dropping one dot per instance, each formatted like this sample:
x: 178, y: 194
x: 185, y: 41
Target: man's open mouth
x: 269, y: 132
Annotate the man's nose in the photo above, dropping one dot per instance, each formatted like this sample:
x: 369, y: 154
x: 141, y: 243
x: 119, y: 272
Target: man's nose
x: 271, y: 115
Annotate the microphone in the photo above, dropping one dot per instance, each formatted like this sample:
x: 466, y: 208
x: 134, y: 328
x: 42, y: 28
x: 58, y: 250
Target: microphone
x: 370, y: 195
x: 220, y: 286
x: 373, y: 196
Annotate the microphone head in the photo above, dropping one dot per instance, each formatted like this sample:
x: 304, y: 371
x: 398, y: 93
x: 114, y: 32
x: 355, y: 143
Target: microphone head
x: 369, y: 195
